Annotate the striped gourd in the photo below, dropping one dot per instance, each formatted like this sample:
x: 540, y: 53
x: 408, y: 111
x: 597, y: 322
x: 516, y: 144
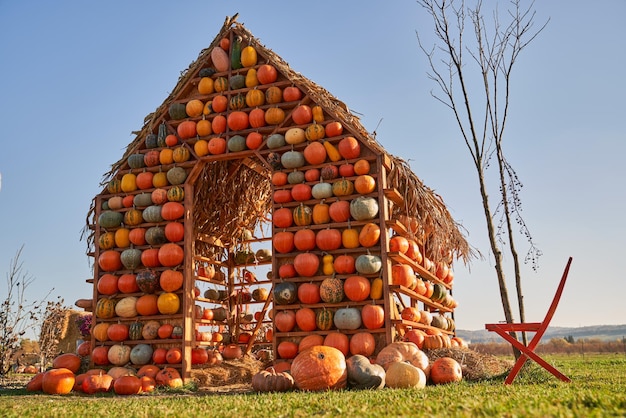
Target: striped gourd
x: 114, y: 186
x: 181, y: 154
x: 343, y: 187
x: 106, y: 241
x: 324, y: 319
x: 255, y: 98
x: 314, y: 132
x: 133, y: 217
x: 176, y: 194
x: 134, y: 331
x: 302, y: 215
x: 237, y: 102
x: 105, y: 308
x: 220, y: 84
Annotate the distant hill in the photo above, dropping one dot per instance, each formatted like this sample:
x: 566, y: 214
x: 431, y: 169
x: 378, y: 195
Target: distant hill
x: 598, y: 332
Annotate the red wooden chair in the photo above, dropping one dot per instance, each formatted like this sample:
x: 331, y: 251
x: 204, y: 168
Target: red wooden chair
x: 539, y: 328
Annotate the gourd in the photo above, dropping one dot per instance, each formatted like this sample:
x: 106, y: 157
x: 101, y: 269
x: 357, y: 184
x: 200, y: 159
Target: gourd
x: 295, y: 136
x: 273, y: 95
x: 347, y: 318
x: 136, y: 161
x: 344, y: 187
x: 328, y: 267
x: 368, y: 264
x: 302, y: 215
x: 402, y: 375
x: 177, y: 111
x: 320, y: 368
x: 292, y: 159
x: 324, y: 319
x: 219, y: 57
x: 141, y: 354
x: 274, y: 115
x: 251, y: 78
x: 331, y: 290
x: 363, y: 208
x: 314, y: 132
x: 332, y: 151
x: 134, y: 331
x: 285, y: 293
x: 155, y: 235
x: 248, y: 56
x: 235, y: 53
x: 237, y: 81
x: 238, y: 102
x: 105, y: 308
x: 125, y: 308
x: 362, y: 374
x: 205, y: 86
x: 272, y: 381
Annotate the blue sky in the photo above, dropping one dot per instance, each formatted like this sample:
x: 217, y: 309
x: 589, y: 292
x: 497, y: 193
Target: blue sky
x: 76, y: 78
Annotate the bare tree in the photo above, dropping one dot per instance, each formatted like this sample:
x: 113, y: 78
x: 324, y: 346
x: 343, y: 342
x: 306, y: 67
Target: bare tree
x: 17, y: 314
x: 51, y: 330
x: 482, y: 116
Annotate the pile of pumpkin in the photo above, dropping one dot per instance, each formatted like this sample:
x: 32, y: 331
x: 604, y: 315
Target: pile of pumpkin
x: 64, y: 377
x: 398, y: 365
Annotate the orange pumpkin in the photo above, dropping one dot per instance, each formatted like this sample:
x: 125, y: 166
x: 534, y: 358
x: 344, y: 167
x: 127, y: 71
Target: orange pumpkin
x: 58, y: 381
x: 310, y: 341
x: 369, y: 235
x: 266, y: 74
x: 305, y: 319
x: 356, y: 288
x: 274, y: 116
x: 365, y: 184
x: 238, y: 120
x: 333, y: 129
x: 186, y: 129
x: 69, y: 361
x: 291, y: 94
x: 349, y: 148
x: 287, y: 349
x: 339, y: 341
x: 171, y: 255
x: 217, y: 146
x: 445, y: 370
x: 218, y: 125
x: 147, y: 305
x: 257, y: 118
x: 362, y: 343
x: 373, y: 316
x: 320, y: 368
x: 302, y: 114
x: 169, y: 377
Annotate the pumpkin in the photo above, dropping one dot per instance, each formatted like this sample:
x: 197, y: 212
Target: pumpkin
x: 339, y: 211
x: 248, y: 56
x: 333, y: 128
x: 347, y: 318
x: 171, y: 280
x: 126, y: 307
x: 331, y: 290
x: 402, y: 375
x: 365, y: 184
x: 310, y: 341
x: 368, y: 264
x: 338, y: 340
x: 283, y: 241
x: 141, y: 354
x: 260, y: 294
x: 306, y: 264
x: 83, y: 349
x: 356, y: 288
x: 205, y: 86
x: 362, y: 343
x: 171, y: 255
x: 186, y: 129
x: 107, y: 284
x: 110, y: 219
x: 147, y: 305
x: 344, y: 264
x: 349, y: 148
x: 135, y: 329
x: 287, y: 349
x: 147, y: 281
x: 304, y: 239
x: 403, y: 275
x: 292, y: 93
x: 232, y: 352
x: 254, y: 140
x: 295, y: 177
x: 309, y: 293
x: 400, y: 352
x: 314, y: 132
x: 174, y: 355
x: 119, y: 354
x: 329, y: 172
x: 292, y: 159
x: 376, y: 289
x: 99, y: 331
x: 129, y: 182
x: 295, y: 136
x: 302, y: 215
x: 160, y: 180
x: 131, y: 258
x: 305, y: 319
x: 254, y: 98
x: 174, y: 231
x: 373, y: 316
x: 369, y: 234
x: 363, y: 208
x: 117, y: 332
x: 105, y: 308
x: 410, y: 313
x: 155, y: 235
x: 114, y: 186
x: 110, y: 260
x: 237, y: 103
x: 151, y: 214
x: 176, y: 175
x: 100, y: 356
x: 328, y: 239
x: 346, y: 169
x: 168, y: 303
x: 285, y: 293
x: 282, y: 218
x: 181, y: 154
x: 315, y: 153
x: 343, y: 187
x: 362, y: 374
x: 272, y: 381
x: 319, y: 368
x: 321, y: 213
x: 266, y: 74
x: 220, y: 59
x: 217, y: 146
x: 301, y: 192
x: 127, y: 385
x: 69, y: 361
x: 302, y: 114
x: 169, y: 377
x: 96, y: 383
x: 273, y: 95
x: 324, y: 319
x: 398, y: 243
x: 274, y: 115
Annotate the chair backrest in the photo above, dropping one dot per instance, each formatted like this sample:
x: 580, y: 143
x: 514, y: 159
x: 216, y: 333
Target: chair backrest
x: 557, y: 297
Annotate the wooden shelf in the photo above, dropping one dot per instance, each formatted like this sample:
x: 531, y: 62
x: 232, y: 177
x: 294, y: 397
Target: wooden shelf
x: 343, y: 331
x: 417, y: 296
x: 395, y: 196
x: 401, y: 258
x: 343, y: 304
x: 417, y: 325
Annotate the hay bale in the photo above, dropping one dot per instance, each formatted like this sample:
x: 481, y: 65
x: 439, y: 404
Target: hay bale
x: 230, y: 373
x: 476, y: 366
x: 70, y: 333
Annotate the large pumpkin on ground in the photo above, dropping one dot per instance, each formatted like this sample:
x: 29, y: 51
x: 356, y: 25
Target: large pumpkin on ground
x: 445, y: 370
x: 58, y: 381
x: 319, y: 368
x: 362, y: 374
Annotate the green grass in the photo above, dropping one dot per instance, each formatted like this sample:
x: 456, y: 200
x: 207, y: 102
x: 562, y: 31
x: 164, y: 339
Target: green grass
x: 598, y: 389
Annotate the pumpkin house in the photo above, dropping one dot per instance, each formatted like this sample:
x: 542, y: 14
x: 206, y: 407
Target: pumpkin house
x: 254, y: 211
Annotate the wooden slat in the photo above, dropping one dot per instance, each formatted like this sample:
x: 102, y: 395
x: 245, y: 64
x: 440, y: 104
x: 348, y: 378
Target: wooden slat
x: 395, y: 196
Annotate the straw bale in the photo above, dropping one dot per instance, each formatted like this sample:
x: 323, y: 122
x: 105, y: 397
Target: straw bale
x: 476, y: 366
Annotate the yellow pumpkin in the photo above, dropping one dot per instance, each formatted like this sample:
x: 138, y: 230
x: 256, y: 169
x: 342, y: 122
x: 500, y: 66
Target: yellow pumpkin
x: 255, y: 98
x: 376, y: 289
x: 194, y: 108
x: 201, y: 147
x: 248, y: 56
x: 122, y: 237
x: 160, y: 179
x: 181, y: 154
x: 205, y: 86
x: 350, y: 238
x: 318, y: 114
x: 106, y: 241
x: 129, y: 182
x: 203, y: 128
x: 166, y: 156
x: 168, y: 303
x: 327, y: 264
x: 314, y: 132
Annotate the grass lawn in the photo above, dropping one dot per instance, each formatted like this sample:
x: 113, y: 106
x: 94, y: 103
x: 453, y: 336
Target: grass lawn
x: 598, y: 389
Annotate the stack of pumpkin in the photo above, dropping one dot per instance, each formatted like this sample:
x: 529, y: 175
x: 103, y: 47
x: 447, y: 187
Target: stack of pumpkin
x: 64, y: 377
x: 320, y: 368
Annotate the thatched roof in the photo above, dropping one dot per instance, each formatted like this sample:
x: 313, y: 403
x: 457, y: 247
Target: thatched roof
x: 235, y: 194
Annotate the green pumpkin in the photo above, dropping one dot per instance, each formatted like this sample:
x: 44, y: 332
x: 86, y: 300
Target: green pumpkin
x: 152, y: 214
x: 347, y: 318
x: 136, y: 161
x: 237, y: 82
x: 176, y: 175
x: 155, y: 235
x: 244, y: 257
x: 439, y: 292
x: 276, y: 141
x: 207, y: 72
x: 236, y: 143
x: 177, y: 111
x: 368, y: 264
x: 292, y: 159
x: 324, y: 319
x: 110, y: 219
x: 142, y: 200
x: 131, y: 258
x: 295, y: 177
